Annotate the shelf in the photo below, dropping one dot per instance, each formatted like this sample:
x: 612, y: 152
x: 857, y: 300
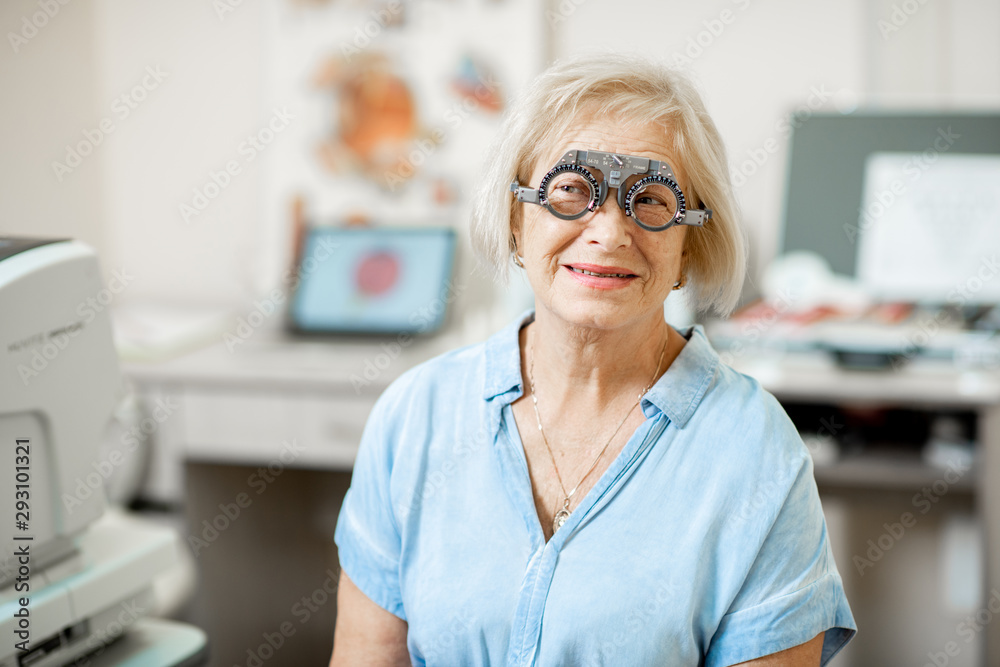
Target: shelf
x: 888, y: 472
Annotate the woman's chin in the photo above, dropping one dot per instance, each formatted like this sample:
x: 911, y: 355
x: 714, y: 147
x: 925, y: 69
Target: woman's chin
x: 597, y: 314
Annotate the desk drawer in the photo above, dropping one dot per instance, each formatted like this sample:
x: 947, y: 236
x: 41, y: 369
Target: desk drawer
x: 251, y: 428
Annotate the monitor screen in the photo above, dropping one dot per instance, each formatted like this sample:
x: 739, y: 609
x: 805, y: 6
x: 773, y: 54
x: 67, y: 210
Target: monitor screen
x: 930, y: 230
x: 373, y: 280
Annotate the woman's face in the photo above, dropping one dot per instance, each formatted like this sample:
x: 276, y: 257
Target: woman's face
x: 606, y: 241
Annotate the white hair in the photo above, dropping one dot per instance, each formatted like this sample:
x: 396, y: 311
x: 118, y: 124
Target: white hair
x: 634, y: 91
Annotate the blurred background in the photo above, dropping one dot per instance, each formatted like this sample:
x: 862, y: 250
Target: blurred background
x: 216, y: 153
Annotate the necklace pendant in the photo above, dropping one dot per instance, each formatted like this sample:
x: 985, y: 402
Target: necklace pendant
x: 562, y: 515
x: 559, y: 519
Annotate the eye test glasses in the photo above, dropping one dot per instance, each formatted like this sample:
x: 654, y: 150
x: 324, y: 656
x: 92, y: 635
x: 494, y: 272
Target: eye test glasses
x: 647, y: 189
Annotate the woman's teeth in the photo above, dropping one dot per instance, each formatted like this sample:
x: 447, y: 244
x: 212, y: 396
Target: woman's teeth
x: 601, y: 275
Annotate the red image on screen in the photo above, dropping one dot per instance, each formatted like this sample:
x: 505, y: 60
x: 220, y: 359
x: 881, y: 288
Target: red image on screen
x: 377, y: 273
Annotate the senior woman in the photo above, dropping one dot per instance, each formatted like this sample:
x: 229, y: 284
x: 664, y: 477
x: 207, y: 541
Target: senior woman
x: 591, y: 486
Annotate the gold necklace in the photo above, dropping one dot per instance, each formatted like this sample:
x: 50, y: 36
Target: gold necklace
x: 563, y: 514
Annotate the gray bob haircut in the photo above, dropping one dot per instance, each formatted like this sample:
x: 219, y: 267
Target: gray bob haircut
x: 627, y: 90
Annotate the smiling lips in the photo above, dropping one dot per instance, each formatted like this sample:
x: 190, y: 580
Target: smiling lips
x: 601, y: 277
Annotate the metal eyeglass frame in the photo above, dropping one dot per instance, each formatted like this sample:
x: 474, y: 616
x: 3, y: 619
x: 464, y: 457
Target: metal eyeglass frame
x: 619, y: 168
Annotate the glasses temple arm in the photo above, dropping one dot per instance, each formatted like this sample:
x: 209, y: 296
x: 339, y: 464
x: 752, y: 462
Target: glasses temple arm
x: 696, y: 217
x: 524, y: 194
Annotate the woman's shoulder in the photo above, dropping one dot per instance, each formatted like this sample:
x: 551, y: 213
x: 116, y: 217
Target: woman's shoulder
x: 451, y: 372
x: 727, y: 388
x: 755, y: 421
x: 745, y: 395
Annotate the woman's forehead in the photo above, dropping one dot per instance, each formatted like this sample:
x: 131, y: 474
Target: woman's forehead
x: 610, y: 135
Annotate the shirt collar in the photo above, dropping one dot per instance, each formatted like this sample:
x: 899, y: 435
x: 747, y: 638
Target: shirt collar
x: 677, y: 393
x: 503, y: 357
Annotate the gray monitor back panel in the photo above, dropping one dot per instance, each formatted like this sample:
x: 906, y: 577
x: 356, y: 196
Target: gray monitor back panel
x: 826, y: 170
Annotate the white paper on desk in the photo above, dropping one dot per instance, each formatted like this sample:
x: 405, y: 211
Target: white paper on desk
x: 930, y: 227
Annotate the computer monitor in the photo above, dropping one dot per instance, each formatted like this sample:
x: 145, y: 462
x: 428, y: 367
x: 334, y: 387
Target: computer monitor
x: 826, y: 171
x: 373, y: 280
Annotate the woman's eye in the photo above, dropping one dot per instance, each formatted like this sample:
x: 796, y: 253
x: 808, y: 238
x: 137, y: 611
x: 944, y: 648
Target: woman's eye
x: 570, y: 187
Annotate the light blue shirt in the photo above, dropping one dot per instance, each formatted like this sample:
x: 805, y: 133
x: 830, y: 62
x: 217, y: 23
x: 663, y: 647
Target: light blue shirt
x: 703, y: 543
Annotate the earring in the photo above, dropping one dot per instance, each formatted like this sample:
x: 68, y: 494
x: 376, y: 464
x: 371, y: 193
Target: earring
x: 517, y: 260
x: 680, y: 283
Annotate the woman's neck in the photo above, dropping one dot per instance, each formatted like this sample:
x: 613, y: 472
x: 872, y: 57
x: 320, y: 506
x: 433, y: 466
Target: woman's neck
x: 588, y: 370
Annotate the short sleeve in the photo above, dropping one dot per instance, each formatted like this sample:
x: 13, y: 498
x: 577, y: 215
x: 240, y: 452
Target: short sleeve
x: 367, y: 536
x: 793, y: 590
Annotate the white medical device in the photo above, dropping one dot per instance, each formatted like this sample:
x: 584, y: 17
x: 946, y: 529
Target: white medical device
x: 71, y: 578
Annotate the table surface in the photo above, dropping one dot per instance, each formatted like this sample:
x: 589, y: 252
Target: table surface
x: 155, y: 642
x: 281, y: 361
x: 275, y: 360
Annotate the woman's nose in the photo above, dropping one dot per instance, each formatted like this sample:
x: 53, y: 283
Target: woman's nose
x: 609, y: 225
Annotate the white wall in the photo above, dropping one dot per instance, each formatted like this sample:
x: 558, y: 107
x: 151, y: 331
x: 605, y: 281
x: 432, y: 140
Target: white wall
x: 943, y: 55
x: 769, y: 58
x: 48, y: 97
x: 189, y: 125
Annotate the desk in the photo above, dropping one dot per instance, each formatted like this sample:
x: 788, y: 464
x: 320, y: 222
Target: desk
x: 241, y: 406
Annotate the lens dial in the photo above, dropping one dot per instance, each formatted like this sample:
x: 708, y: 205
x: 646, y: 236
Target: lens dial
x: 655, y: 202
x: 568, y: 191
